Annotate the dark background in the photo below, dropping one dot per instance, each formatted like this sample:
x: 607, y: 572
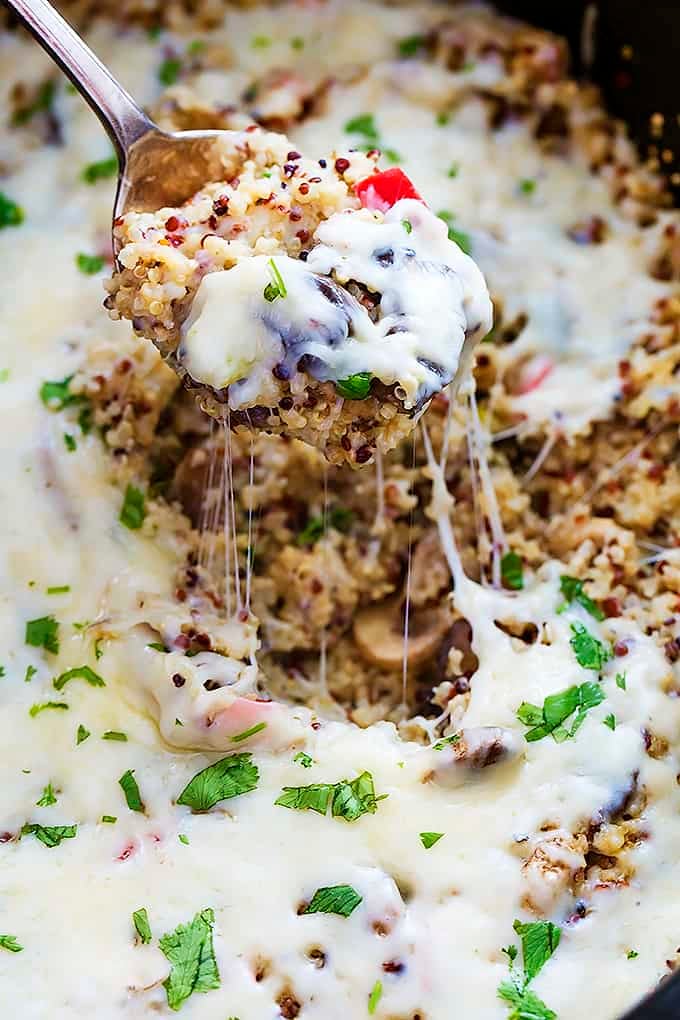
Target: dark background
x: 637, y: 65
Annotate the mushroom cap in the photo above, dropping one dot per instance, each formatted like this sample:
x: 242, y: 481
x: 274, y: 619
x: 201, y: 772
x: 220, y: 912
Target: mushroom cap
x: 379, y: 633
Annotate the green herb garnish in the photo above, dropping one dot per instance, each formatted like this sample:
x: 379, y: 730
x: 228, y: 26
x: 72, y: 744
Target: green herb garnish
x: 260, y: 42
x: 572, y: 589
x: 128, y: 784
x: 257, y: 728
x: 527, y: 186
x: 109, y: 819
x: 458, y: 236
x: 100, y: 170
x: 375, y: 997
x: 29, y: 674
x: 50, y: 835
x: 348, y: 799
x: 115, y: 735
x: 442, y: 118
x: 610, y: 721
x: 47, y: 798
x: 539, y: 940
x: 428, y: 839
x: 44, y: 705
x: 222, y: 780
x: 11, y: 214
x: 140, y: 920
x: 89, y: 264
x: 183, y: 839
x: 511, y: 571
x: 78, y: 672
x: 621, y: 681
x: 297, y: 42
x: 526, y: 1005
x: 169, y: 71
x: 9, y: 942
x: 354, y: 387
x: 409, y: 46
x: 364, y: 125
x: 43, y: 633
x: 82, y: 734
x: 334, y: 899
x: 189, y: 950
x: 58, y: 589
x: 407, y: 225
x: 56, y: 394
x: 305, y: 760
x: 590, y: 652
x: 277, y: 287
x: 133, y: 510
x: 557, y: 708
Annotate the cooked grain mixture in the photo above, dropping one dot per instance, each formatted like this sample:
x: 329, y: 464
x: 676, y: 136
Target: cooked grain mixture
x: 232, y: 787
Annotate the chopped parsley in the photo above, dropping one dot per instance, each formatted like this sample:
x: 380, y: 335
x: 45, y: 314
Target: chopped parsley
x: 128, y: 784
x: 339, y: 518
x: 11, y: 214
x: 140, y: 919
x: 428, y: 839
x: 303, y: 759
x: 458, y: 236
x: 29, y: 674
x: 621, y: 681
x: 354, y: 387
x: 276, y: 288
x: 348, y: 799
x: 43, y: 633
x: 169, y: 71
x: 442, y: 118
x: 511, y: 571
x: 610, y: 721
x: 297, y: 42
x: 47, y: 798
x: 590, y: 652
x: 4, y: 375
x: 257, y: 728
x: 70, y: 442
x: 50, y: 835
x: 527, y: 186
x: 632, y: 954
x: 392, y: 156
x: 572, y: 589
x: 157, y: 646
x: 224, y: 779
x: 59, y: 589
x: 557, y: 708
x: 260, y: 42
x: 334, y: 899
x: 196, y: 46
x: 539, y: 941
x: 183, y: 838
x: 407, y: 225
x: 100, y: 170
x: 9, y: 942
x: 453, y: 170
x: 446, y: 742
x: 526, y: 1004
x: 189, y: 950
x: 115, y: 735
x: 109, y: 819
x: 410, y: 46
x: 82, y: 734
x: 41, y: 103
x: 89, y: 264
x: 133, y: 510
x: 78, y: 672
x: 375, y: 997
x: 43, y: 705
x: 364, y: 125
x: 56, y: 394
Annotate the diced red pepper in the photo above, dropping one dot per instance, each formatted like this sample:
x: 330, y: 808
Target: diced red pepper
x: 384, y: 188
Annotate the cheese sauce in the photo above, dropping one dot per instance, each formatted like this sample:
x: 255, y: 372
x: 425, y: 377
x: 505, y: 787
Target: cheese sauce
x: 426, y: 939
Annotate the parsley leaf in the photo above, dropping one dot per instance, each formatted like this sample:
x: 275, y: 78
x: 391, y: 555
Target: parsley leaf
x: 129, y: 786
x: 9, y: 942
x: 222, y: 780
x: 78, y: 672
x: 305, y: 760
x: 133, y: 510
x: 70, y: 443
x: 621, y: 681
x: 189, y: 949
x: 511, y: 571
x: 43, y: 633
x: 11, y: 214
x: 589, y: 651
x: 30, y: 673
x: 334, y: 899
x: 38, y: 708
x: 59, y: 589
x: 169, y: 71
x: 458, y: 236
x: 140, y: 919
x: 82, y: 734
x: 409, y: 46
x: 339, y: 518
x: 354, y: 387
x: 632, y: 954
x: 257, y: 728
x: 375, y: 997
x: 348, y: 799
x: 527, y: 1005
x: 89, y: 264
x: 56, y: 394
x: 47, y: 798
x: 276, y: 288
x: 115, y: 735
x: 428, y: 839
x: 527, y: 186
x: 50, y: 835
x: 572, y: 589
x: 98, y: 171
x: 610, y: 721
x: 364, y: 125
x: 540, y: 939
x: 109, y: 819
x: 557, y: 708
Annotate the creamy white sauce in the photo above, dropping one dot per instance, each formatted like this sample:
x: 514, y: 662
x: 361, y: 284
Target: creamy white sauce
x: 252, y: 862
x: 236, y: 335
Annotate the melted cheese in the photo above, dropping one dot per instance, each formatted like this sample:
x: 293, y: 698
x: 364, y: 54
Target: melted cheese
x: 444, y: 913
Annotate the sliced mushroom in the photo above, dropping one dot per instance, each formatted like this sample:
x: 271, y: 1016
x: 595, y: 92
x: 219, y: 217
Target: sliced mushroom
x: 429, y: 570
x: 190, y: 483
x: 379, y: 633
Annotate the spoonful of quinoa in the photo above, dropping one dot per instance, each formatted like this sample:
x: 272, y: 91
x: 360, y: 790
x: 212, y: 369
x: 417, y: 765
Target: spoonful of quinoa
x: 316, y: 298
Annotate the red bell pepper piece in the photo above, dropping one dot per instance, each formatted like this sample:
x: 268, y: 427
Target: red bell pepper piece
x: 384, y: 188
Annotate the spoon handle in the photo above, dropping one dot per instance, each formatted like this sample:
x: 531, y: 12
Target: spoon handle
x: 124, y: 121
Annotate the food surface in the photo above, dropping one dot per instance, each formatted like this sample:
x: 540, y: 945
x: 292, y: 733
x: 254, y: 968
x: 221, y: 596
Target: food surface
x: 291, y: 273
x: 283, y: 739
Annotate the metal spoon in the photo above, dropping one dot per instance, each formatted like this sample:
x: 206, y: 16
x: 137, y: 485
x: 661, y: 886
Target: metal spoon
x: 155, y: 168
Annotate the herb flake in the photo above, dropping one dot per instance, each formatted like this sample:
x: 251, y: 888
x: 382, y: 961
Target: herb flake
x: 428, y: 839
x: 334, y: 899
x: 590, y: 652
x: 511, y: 571
x: 557, y: 708
x: 78, y: 672
x: 43, y: 632
x: 572, y: 589
x: 140, y: 920
x: 189, y: 950
x: 50, y: 835
x: 354, y: 387
x: 224, y: 779
x: 128, y: 784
